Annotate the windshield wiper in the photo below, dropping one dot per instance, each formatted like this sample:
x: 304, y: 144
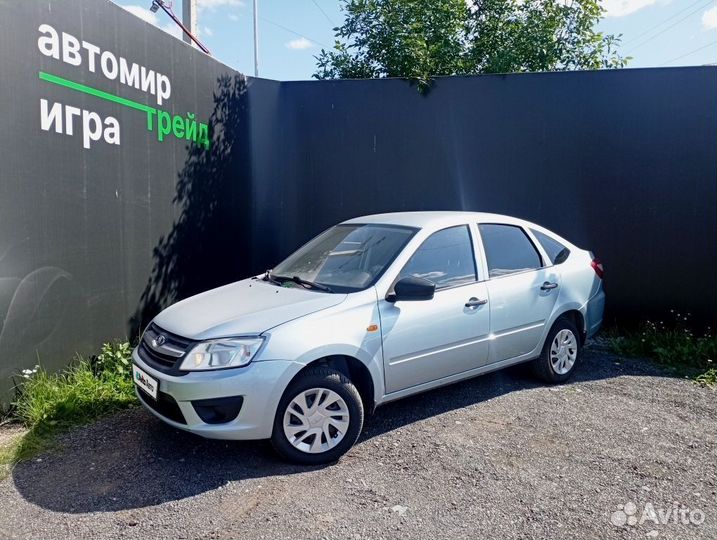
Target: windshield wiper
x: 270, y: 278
x: 304, y: 283
x: 280, y: 280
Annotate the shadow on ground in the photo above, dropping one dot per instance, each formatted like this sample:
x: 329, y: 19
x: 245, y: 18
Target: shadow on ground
x: 132, y: 460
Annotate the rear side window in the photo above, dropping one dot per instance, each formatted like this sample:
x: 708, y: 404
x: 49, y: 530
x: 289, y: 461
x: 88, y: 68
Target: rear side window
x: 508, y: 249
x: 445, y: 258
x: 557, y: 252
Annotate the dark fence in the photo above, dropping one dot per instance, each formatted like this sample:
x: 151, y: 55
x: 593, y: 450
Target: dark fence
x: 102, y: 223
x: 98, y: 229
x: 623, y: 163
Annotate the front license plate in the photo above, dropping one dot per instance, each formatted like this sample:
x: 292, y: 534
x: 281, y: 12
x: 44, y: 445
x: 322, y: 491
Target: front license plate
x: 145, y: 382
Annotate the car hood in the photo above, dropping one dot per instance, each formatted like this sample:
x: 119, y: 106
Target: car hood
x: 251, y: 306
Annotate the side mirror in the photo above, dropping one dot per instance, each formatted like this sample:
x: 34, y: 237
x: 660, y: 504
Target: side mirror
x: 412, y: 288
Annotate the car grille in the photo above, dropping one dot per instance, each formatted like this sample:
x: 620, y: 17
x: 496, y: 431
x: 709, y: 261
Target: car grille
x: 163, y: 350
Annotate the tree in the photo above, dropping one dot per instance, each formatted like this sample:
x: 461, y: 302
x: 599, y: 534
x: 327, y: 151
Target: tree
x: 421, y: 39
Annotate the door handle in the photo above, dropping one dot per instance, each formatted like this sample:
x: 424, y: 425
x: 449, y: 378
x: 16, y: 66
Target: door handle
x: 474, y: 302
x: 548, y: 285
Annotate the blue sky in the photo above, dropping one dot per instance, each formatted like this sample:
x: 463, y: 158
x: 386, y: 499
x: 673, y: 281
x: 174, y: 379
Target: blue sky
x: 291, y: 32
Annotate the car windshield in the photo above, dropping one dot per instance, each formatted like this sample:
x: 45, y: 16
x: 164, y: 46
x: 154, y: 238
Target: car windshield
x: 346, y: 258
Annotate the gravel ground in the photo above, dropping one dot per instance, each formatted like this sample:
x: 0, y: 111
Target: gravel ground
x: 499, y: 456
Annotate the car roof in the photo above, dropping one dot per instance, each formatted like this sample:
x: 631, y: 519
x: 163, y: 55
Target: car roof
x: 434, y: 219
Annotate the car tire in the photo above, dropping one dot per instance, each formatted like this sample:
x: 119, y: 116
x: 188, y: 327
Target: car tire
x: 312, y: 433
x: 561, y: 352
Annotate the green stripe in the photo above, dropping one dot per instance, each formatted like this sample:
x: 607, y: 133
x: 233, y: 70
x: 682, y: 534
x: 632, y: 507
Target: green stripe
x: 95, y: 92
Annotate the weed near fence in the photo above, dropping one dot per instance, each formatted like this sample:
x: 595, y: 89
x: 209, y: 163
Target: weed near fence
x: 48, y: 403
x: 673, y: 344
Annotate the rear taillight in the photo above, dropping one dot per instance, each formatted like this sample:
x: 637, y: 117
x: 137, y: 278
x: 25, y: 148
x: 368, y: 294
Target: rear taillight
x: 597, y: 266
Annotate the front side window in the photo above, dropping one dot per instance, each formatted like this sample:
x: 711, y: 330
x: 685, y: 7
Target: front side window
x: 508, y: 249
x: 445, y: 258
x: 346, y: 258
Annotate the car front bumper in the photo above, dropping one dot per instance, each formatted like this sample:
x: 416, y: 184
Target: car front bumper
x: 260, y: 385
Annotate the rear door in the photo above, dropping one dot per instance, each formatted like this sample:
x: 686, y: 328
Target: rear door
x: 522, y: 290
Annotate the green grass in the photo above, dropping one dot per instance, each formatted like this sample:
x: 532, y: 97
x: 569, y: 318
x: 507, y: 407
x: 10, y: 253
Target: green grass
x: 673, y: 345
x: 708, y: 378
x: 49, y: 403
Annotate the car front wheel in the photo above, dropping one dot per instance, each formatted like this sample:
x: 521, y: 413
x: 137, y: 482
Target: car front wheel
x: 319, y: 417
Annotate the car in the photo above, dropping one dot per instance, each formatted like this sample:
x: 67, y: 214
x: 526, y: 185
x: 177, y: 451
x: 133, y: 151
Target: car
x: 372, y: 310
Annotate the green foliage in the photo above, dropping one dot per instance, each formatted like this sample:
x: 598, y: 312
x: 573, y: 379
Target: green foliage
x: 420, y: 39
x: 85, y: 390
x: 672, y: 344
x: 708, y: 378
x: 8, y: 450
x: 115, y: 359
x: 398, y: 38
x: 541, y: 35
x: 22, y: 446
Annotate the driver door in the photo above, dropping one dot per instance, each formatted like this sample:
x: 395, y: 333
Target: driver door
x: 427, y: 340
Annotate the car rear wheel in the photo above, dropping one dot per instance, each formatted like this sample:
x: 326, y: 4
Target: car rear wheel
x: 319, y: 417
x: 560, y: 354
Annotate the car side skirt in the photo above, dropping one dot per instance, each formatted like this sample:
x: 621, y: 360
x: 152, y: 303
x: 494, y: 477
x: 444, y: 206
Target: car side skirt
x: 482, y: 370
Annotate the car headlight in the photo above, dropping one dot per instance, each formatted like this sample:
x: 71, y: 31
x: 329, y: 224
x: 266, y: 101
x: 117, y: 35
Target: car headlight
x: 221, y: 353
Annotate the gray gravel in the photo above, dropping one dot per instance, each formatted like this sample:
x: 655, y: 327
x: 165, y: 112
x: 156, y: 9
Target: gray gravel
x: 496, y: 457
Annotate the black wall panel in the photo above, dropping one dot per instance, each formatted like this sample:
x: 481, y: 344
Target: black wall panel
x: 93, y: 241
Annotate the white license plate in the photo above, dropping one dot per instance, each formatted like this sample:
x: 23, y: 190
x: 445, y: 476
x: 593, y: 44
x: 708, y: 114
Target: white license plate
x: 145, y: 382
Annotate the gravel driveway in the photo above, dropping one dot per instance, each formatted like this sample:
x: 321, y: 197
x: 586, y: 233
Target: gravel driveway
x: 499, y: 456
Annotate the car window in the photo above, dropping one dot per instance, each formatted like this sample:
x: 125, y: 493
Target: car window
x: 446, y: 258
x: 557, y: 252
x: 508, y: 249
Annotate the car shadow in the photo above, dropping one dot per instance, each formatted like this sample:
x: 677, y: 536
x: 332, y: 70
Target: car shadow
x: 596, y: 364
x: 132, y: 460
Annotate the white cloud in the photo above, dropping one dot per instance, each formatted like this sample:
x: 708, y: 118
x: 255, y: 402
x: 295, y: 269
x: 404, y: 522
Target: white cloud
x: 233, y: 17
x: 206, y: 31
x: 172, y: 29
x: 143, y: 13
x: 152, y: 18
x: 214, y: 4
x: 299, y: 43
x: 709, y: 18
x: 620, y: 8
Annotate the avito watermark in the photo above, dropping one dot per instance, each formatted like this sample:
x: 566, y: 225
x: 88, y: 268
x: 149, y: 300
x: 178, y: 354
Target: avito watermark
x: 630, y: 515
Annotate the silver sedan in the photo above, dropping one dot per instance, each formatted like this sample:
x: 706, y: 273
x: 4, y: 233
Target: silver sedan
x: 372, y: 310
